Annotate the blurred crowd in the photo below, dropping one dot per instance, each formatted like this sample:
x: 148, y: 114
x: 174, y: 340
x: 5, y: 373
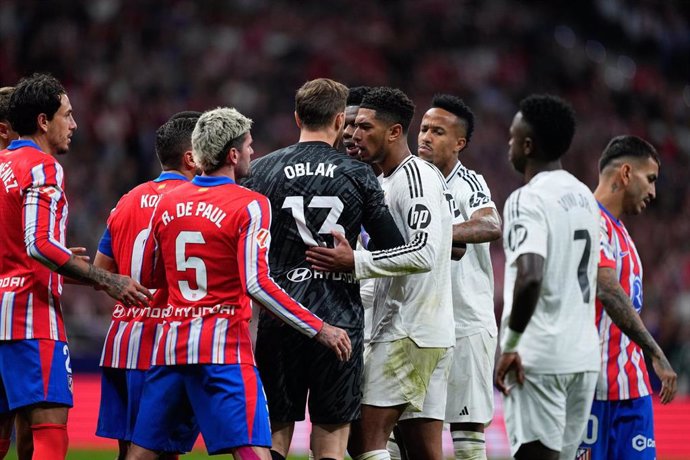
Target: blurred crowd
x: 128, y: 65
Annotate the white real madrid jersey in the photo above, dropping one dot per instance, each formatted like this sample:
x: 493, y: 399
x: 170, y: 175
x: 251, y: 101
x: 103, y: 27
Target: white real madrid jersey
x: 555, y: 216
x: 472, y: 276
x: 413, y: 296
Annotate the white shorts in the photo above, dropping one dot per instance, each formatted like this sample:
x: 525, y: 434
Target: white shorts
x: 400, y: 372
x: 470, y: 385
x: 550, y: 408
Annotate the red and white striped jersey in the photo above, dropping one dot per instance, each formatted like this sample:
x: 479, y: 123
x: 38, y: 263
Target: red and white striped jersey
x: 209, y: 245
x: 623, y: 371
x: 129, y: 342
x: 33, y: 207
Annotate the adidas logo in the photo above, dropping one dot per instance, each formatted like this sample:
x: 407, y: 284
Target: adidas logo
x: 464, y: 411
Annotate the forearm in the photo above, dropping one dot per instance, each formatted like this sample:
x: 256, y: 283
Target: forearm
x: 481, y: 229
x: 415, y: 257
x: 618, y: 306
x: 79, y: 270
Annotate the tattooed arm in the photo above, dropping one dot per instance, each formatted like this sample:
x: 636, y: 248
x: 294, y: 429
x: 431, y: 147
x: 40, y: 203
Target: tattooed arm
x: 122, y: 288
x: 621, y: 311
x: 483, y: 225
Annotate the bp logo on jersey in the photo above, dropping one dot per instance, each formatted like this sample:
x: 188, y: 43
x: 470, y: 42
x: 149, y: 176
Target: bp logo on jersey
x: 418, y: 217
x: 516, y: 236
x: 299, y: 275
x: 478, y: 199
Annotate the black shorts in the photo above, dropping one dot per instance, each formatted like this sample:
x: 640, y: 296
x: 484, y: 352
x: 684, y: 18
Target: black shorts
x: 292, y: 364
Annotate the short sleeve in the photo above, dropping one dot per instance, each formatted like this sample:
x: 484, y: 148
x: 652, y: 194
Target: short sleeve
x: 525, y: 230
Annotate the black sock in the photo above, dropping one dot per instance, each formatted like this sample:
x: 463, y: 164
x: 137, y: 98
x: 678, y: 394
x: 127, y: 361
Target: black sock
x: 276, y: 456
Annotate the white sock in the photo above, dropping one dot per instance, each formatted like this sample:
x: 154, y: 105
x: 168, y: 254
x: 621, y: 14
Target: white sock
x: 393, y: 449
x: 469, y: 445
x: 381, y: 454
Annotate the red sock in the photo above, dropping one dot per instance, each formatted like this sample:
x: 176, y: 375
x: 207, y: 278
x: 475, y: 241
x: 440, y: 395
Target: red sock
x: 4, y: 447
x: 50, y: 441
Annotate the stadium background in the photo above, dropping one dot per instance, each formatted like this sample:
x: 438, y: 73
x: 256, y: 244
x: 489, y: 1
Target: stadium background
x: 128, y: 65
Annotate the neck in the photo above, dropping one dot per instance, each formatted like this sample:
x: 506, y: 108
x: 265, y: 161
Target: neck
x: 41, y: 141
x: 313, y: 136
x: 397, y: 154
x: 535, y: 167
x: 609, y: 194
x: 225, y: 171
x: 447, y: 168
x: 188, y: 174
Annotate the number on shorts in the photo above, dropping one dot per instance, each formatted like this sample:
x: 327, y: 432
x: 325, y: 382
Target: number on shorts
x: 591, y: 435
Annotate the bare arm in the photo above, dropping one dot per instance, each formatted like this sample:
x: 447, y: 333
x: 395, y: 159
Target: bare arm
x: 483, y: 226
x: 105, y: 262
x: 530, y: 274
x: 122, y: 288
x: 621, y: 311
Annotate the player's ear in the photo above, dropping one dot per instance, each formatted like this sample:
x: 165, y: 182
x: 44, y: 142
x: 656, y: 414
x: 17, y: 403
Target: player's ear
x: 395, y: 132
x: 188, y: 161
x: 460, y: 144
x: 4, y: 131
x: 42, y: 122
x: 339, y: 121
x: 298, y: 120
x: 528, y: 146
x: 625, y: 172
x: 233, y: 156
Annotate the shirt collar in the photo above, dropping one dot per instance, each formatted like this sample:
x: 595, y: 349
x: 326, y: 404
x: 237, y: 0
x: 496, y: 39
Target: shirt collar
x: 211, y: 181
x: 167, y: 175
x: 19, y: 143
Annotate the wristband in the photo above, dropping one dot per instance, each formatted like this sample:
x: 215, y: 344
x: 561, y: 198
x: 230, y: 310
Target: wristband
x: 510, y: 340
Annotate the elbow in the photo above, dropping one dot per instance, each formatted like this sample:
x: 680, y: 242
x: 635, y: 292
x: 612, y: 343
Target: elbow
x: 495, y: 233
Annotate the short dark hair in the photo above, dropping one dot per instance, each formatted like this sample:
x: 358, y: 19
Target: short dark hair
x: 34, y: 95
x: 5, y: 93
x: 174, y: 138
x: 390, y: 104
x: 627, y: 146
x: 356, y: 94
x: 457, y: 107
x: 318, y: 101
x: 552, y: 121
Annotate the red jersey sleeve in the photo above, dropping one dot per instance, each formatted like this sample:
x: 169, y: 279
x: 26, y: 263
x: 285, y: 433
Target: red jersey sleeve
x: 152, y: 267
x: 252, y: 258
x: 45, y: 214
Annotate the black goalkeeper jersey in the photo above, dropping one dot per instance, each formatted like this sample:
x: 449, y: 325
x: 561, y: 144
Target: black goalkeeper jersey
x: 314, y: 190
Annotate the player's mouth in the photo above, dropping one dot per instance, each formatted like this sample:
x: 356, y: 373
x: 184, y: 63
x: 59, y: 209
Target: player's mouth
x: 426, y: 148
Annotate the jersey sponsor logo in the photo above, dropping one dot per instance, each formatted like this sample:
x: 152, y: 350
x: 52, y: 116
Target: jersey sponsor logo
x: 170, y: 311
x: 516, y: 236
x: 262, y: 238
x: 299, y: 275
x: 12, y: 281
x: 640, y: 443
x: 49, y: 190
x: 636, y: 293
x: 478, y: 199
x: 418, y: 217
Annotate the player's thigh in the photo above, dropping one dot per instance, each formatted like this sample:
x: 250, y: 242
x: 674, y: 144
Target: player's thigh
x: 598, y: 432
x: 228, y: 401
x: 580, y: 394
x: 163, y: 409
x: 36, y: 373
x: 435, y: 399
x: 398, y: 373
x: 335, y: 387
x: 112, y: 413
x: 470, y: 383
x: 281, y: 356
x: 535, y: 411
x: 634, y: 427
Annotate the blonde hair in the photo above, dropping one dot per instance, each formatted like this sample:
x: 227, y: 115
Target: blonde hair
x: 215, y: 133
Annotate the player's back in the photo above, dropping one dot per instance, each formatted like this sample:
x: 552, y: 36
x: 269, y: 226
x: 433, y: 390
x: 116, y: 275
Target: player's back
x: 314, y: 190
x: 129, y: 340
x: 556, y: 216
